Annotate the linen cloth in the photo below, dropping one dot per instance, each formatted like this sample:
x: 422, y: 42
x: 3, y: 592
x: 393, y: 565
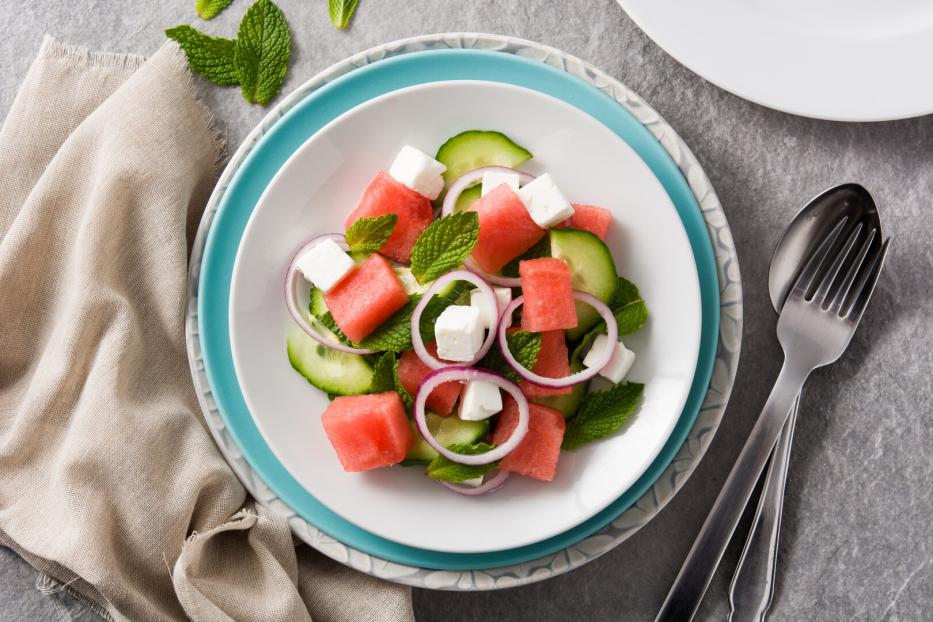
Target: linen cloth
x: 110, y: 483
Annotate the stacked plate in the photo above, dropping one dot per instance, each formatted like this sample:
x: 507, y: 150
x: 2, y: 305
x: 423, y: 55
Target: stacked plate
x: 301, y: 170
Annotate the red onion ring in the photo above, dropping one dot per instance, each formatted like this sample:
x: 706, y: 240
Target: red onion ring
x: 450, y: 201
x: 557, y: 383
x: 471, y: 177
x: 465, y: 374
x: 494, y: 483
x: 418, y: 343
x: 291, y: 297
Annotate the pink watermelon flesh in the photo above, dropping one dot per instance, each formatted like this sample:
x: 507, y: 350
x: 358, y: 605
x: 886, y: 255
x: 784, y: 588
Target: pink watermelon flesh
x: 553, y: 362
x: 384, y: 195
x: 366, y: 298
x: 537, y: 455
x: 549, y: 303
x: 412, y: 372
x: 591, y: 218
x: 505, y: 229
x: 368, y: 431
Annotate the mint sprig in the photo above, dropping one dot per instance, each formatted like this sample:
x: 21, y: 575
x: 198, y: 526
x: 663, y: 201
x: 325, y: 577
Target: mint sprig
x: 393, y: 335
x: 367, y: 235
x: 407, y: 398
x: 256, y: 61
x: 523, y: 345
x: 602, y: 413
x: 444, y: 245
x: 208, y: 9
x: 341, y: 12
x: 629, y: 310
x: 442, y: 468
x: 212, y: 57
x: 384, y: 374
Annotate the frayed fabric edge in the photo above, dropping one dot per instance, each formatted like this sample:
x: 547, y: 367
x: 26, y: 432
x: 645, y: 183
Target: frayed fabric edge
x: 52, y: 48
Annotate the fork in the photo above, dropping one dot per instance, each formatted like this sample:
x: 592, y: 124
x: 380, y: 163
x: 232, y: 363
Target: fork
x: 816, y: 325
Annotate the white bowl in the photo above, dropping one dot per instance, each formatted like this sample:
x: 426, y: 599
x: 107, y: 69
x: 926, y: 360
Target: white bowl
x: 312, y: 194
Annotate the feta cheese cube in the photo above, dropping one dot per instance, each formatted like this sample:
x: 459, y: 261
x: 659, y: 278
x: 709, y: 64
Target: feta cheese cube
x: 480, y: 400
x: 489, y: 316
x: 418, y: 171
x: 474, y: 482
x: 325, y: 264
x: 618, y: 365
x: 545, y: 203
x: 459, y: 333
x: 493, y: 179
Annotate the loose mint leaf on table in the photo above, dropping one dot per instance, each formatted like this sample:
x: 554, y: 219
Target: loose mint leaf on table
x: 384, y: 374
x: 367, y: 235
x: 601, y: 414
x: 541, y: 248
x: 209, y: 8
x: 449, y: 471
x: 341, y: 12
x: 407, y: 398
x: 263, y: 46
x: 524, y: 346
x: 212, y: 57
x: 444, y: 245
x: 435, y: 307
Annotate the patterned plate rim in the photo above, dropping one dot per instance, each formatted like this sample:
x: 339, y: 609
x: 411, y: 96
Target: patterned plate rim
x: 700, y: 436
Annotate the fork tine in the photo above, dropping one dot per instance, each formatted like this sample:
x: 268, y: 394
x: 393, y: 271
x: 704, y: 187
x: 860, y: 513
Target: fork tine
x: 822, y: 293
x: 843, y: 293
x: 867, y: 284
x: 808, y: 276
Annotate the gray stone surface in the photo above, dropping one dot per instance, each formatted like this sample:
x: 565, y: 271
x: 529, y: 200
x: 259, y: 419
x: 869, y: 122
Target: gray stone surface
x: 857, y: 542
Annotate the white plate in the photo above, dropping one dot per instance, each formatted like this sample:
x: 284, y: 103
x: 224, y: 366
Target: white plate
x: 845, y: 60
x: 312, y: 194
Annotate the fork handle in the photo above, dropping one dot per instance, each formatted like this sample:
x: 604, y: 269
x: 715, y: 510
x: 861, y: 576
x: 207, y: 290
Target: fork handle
x: 687, y: 591
x: 752, y: 587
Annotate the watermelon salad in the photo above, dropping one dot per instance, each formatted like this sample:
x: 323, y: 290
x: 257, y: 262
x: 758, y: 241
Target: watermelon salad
x: 467, y: 321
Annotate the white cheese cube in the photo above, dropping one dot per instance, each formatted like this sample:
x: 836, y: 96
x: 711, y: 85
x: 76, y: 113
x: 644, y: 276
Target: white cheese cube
x: 619, y: 363
x: 545, y: 203
x: 459, y: 333
x: 325, y: 264
x: 418, y: 171
x: 489, y: 316
x: 493, y: 179
x: 474, y: 482
x: 480, y: 400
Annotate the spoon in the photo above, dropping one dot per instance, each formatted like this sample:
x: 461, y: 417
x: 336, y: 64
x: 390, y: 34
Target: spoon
x: 752, y: 587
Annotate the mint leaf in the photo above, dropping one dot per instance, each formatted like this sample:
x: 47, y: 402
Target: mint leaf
x: 601, y: 414
x: 212, y: 57
x: 524, y: 346
x: 209, y: 8
x: 263, y: 46
x: 341, y: 12
x: 367, y: 235
x: 629, y: 310
x: 445, y: 469
x: 435, y: 307
x: 444, y: 245
x: 407, y: 398
x: 384, y: 374
x: 541, y: 248
x: 393, y: 335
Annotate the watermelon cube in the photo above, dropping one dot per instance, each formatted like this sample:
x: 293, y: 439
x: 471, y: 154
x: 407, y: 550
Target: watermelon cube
x: 591, y: 218
x: 537, y: 455
x: 385, y: 195
x: 368, y: 431
x: 505, y: 228
x: 412, y: 372
x: 366, y: 298
x: 549, y: 303
x: 553, y: 362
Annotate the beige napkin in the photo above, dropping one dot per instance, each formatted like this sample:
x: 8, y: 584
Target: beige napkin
x: 109, y: 481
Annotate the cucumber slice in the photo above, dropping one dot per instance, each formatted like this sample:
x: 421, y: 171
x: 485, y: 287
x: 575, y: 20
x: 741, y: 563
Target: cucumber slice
x: 337, y: 373
x: 468, y: 197
x: 318, y: 306
x: 448, y: 431
x: 475, y: 148
x: 569, y: 403
x: 592, y: 270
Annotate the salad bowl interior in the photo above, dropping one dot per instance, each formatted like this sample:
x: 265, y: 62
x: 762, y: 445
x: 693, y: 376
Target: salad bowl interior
x: 312, y: 194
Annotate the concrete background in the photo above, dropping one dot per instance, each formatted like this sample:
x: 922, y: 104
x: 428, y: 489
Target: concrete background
x: 857, y: 542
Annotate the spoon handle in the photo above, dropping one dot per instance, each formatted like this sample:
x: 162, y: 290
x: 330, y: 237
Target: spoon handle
x: 752, y: 585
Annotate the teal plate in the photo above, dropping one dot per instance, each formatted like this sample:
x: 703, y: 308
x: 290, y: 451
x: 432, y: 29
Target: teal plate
x: 286, y: 135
